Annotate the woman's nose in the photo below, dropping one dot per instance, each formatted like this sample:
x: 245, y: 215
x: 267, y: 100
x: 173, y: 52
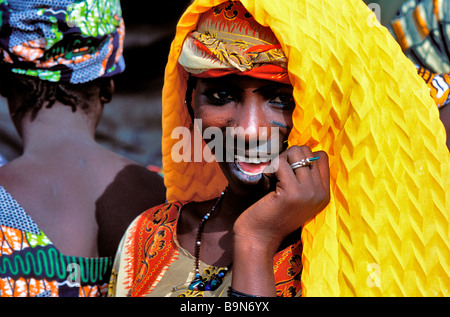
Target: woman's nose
x: 250, y: 122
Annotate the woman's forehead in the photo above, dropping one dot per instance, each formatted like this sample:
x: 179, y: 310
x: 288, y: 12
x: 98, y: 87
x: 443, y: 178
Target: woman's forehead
x: 240, y: 81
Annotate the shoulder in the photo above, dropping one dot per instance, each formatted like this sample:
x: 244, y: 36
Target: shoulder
x: 148, y: 223
x: 135, y: 189
x: 138, y: 176
x: 142, y: 176
x: 19, y: 175
x: 164, y: 215
x: 147, y: 243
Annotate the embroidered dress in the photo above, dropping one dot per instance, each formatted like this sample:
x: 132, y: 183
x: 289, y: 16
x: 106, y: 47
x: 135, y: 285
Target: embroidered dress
x: 150, y: 262
x: 31, y: 265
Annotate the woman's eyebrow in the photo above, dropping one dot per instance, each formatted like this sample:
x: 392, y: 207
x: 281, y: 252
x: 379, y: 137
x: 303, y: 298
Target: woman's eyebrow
x: 271, y: 87
x: 216, y: 82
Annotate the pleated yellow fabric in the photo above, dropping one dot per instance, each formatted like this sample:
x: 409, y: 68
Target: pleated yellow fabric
x: 386, y: 229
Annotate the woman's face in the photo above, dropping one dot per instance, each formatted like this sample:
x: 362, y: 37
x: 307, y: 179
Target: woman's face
x: 254, y: 117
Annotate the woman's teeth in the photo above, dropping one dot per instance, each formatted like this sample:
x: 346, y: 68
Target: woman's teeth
x: 251, y: 165
x: 253, y: 160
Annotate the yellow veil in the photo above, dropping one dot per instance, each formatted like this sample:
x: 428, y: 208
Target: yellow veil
x: 386, y: 229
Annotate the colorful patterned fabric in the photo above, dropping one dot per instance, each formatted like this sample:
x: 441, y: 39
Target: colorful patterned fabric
x: 150, y: 261
x: 227, y: 41
x: 62, y: 41
x: 422, y: 28
x: 31, y: 266
x: 385, y: 231
x: 439, y: 85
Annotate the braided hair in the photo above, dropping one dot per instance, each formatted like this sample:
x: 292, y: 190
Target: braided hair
x: 40, y: 93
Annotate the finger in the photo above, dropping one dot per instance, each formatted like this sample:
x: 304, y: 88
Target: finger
x: 290, y: 179
x: 307, y: 174
x: 314, y: 177
x: 290, y: 156
x: 275, y: 176
x: 281, y: 170
x: 310, y: 175
x: 324, y: 171
x: 323, y: 168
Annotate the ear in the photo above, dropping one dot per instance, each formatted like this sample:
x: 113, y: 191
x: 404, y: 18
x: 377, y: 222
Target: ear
x: 106, y: 90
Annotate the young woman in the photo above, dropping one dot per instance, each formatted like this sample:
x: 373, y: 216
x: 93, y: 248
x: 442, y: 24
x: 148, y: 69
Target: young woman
x: 325, y: 80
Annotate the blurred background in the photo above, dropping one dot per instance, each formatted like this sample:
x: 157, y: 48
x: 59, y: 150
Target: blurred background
x: 131, y: 124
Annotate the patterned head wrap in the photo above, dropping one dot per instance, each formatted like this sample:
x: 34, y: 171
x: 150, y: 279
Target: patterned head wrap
x: 72, y: 41
x: 227, y: 41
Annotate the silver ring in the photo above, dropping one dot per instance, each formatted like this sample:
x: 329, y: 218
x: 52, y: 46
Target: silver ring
x: 304, y: 162
x: 301, y: 163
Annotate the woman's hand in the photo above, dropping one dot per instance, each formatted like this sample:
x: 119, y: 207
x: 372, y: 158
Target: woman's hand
x: 299, y: 195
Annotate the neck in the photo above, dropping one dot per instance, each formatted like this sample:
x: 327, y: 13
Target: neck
x: 235, y: 203
x: 55, y: 126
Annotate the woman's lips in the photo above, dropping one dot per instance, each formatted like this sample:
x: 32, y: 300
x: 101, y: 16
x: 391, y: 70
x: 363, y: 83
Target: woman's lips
x: 251, y: 166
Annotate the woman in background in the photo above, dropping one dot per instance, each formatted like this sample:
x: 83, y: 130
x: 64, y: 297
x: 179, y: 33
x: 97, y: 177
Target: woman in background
x: 66, y: 201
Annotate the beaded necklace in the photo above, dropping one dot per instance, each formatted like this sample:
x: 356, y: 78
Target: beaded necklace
x: 198, y: 283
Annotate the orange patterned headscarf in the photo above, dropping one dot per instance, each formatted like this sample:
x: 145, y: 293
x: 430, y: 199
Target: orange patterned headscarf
x: 227, y: 41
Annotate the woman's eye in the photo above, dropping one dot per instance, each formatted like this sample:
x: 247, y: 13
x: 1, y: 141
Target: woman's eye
x: 220, y: 97
x: 284, y: 100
